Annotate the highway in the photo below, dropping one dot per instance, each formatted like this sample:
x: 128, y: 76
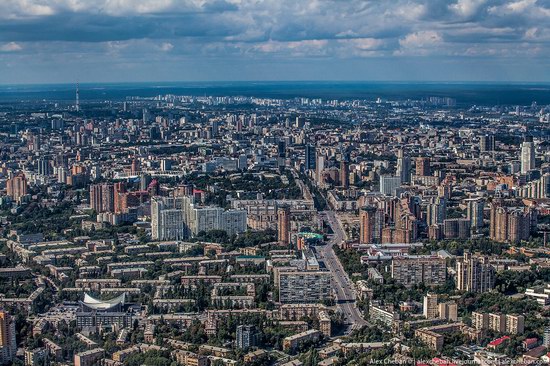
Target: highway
x: 345, y: 293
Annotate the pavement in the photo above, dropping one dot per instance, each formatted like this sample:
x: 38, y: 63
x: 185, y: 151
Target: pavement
x: 342, y: 285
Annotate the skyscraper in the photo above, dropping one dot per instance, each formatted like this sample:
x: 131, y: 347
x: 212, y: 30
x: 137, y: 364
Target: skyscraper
x: 283, y: 224
x: 527, y: 156
x: 403, y: 167
x: 311, y: 157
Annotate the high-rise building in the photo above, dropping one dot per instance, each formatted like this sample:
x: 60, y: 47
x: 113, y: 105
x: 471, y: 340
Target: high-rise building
x: 246, y: 336
x: 423, y: 166
x: 474, y: 274
x: 546, y: 337
x: 436, y: 212
x: 510, y: 224
x: 367, y: 220
x: 403, y: 167
x: 177, y: 218
x: 475, y: 208
x: 389, y: 184
x: 311, y: 157
x: 283, y: 224
x: 16, y: 187
x: 457, y: 228
x: 344, y: 173
x: 527, y: 156
x: 487, y: 143
x: 304, y: 287
x: 448, y: 311
x: 319, y: 168
x: 430, y: 308
x: 102, y: 197
x: 415, y: 269
x: 43, y: 167
x: 8, y: 345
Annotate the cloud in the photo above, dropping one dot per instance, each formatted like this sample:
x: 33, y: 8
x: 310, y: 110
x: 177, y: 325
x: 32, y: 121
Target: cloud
x: 115, y: 32
x: 10, y: 47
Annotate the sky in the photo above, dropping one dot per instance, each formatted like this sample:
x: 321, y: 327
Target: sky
x: 65, y: 41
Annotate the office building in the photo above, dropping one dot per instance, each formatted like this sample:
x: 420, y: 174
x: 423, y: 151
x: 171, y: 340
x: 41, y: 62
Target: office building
x: 412, y: 270
x: 474, y: 273
x: 304, y: 286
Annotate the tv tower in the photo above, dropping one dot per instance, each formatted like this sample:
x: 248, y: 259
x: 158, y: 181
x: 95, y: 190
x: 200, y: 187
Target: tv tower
x: 77, y: 105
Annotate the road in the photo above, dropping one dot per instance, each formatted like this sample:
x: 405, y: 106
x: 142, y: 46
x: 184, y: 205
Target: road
x: 345, y: 293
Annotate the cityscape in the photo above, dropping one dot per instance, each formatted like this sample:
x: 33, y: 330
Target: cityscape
x: 220, y: 230
x: 274, y: 183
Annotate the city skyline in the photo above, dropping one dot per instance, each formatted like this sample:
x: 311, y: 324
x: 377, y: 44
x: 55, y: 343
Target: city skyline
x: 67, y: 41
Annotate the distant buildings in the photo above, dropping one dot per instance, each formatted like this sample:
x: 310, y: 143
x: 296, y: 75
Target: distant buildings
x: 474, y: 274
